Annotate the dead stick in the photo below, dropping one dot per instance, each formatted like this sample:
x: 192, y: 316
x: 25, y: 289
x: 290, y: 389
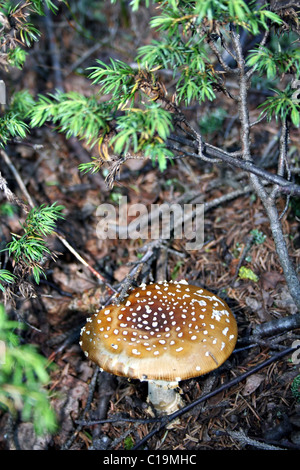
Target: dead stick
x: 277, y: 326
x: 167, y: 419
x: 20, y: 182
x: 82, y: 260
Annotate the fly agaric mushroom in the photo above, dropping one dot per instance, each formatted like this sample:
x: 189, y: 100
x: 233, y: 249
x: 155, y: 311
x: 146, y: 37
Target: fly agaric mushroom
x: 163, y: 332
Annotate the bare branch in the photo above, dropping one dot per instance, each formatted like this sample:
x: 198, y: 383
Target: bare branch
x: 167, y: 419
x: 290, y: 273
x: 285, y: 186
x: 218, y: 55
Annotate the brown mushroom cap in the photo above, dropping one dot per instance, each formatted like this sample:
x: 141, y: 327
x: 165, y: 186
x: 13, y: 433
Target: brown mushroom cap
x: 167, y: 331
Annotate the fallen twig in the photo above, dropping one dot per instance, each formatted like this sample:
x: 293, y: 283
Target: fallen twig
x: 244, y: 440
x: 99, y: 276
x: 10, y: 196
x: 167, y: 419
x: 285, y: 186
x: 278, y: 325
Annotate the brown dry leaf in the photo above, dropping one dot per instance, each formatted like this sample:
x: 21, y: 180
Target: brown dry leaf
x: 89, y: 301
x: 76, y: 278
x: 267, y: 299
x: 147, y: 187
x: 284, y: 300
x: 252, y: 383
x: 253, y: 303
x: 270, y: 279
x: 258, y: 308
x: 56, y: 307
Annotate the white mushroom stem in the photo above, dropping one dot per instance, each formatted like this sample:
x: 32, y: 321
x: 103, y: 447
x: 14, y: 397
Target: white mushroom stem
x: 164, y: 397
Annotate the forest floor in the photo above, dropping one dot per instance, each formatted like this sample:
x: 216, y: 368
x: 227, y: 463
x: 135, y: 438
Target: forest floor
x: 254, y: 413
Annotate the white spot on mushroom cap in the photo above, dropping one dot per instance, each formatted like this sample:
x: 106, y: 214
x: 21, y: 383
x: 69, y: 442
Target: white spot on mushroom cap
x: 135, y: 351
